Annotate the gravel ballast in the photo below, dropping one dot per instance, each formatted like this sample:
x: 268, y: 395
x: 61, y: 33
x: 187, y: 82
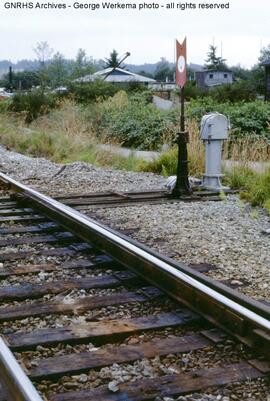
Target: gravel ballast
x: 227, y: 234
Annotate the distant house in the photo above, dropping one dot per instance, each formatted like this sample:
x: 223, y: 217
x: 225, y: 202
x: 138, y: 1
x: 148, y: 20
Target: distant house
x: 116, y: 75
x: 266, y: 65
x: 209, y: 78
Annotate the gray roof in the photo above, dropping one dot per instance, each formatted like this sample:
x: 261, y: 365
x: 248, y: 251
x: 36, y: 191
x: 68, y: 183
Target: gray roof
x: 223, y: 71
x: 115, y: 75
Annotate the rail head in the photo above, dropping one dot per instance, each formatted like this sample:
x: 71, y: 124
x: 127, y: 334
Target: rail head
x: 15, y: 383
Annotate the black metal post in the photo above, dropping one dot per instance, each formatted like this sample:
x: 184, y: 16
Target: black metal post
x: 10, y: 76
x: 182, y: 186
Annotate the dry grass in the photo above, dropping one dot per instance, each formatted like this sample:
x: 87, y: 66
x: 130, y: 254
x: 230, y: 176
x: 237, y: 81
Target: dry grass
x: 62, y: 136
x: 247, y: 150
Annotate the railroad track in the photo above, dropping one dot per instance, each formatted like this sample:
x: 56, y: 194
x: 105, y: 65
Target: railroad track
x: 88, y: 314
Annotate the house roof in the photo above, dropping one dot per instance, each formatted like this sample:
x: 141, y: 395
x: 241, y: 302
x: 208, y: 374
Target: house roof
x: 222, y: 71
x: 115, y: 75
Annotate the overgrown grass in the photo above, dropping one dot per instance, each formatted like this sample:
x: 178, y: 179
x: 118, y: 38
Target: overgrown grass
x: 254, y: 186
x: 63, y: 136
x: 166, y: 164
x: 67, y: 134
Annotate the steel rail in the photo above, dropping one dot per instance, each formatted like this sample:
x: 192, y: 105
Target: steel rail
x: 15, y: 383
x: 246, y: 319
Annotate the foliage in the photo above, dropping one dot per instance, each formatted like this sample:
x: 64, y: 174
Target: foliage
x: 82, y: 65
x: 62, y: 136
x: 236, y: 92
x: 166, y: 163
x: 133, y: 121
x: 258, y: 190
x: 4, y: 105
x: 86, y: 92
x: 43, y: 51
x: 192, y: 91
x: 33, y: 104
x: 24, y: 79
x: 246, y: 119
x: 239, y: 177
x: 164, y: 70
x: 257, y: 74
x: 213, y: 62
x: 240, y: 73
x: 240, y: 90
x: 113, y: 61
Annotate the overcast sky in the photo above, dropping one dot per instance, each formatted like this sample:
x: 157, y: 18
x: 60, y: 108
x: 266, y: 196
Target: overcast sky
x: 147, y: 35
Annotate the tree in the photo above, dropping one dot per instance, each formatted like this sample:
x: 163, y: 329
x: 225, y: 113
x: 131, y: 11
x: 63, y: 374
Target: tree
x: 24, y: 79
x: 240, y: 73
x: 57, y: 70
x: 163, y: 70
x: 258, y: 72
x: 43, y: 52
x: 113, y: 60
x: 213, y: 62
x: 82, y: 65
x: 264, y: 54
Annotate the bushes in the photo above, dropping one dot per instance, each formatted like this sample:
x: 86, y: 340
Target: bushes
x: 258, y: 190
x: 252, y: 118
x: 166, y: 163
x: 89, y: 92
x: 133, y: 121
x: 34, y: 104
x: 236, y: 92
x: 255, y: 186
x: 241, y: 90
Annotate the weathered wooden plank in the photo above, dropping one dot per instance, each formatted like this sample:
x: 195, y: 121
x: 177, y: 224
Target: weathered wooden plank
x: 202, y: 267
x: 8, y: 204
x: 40, y: 228
x: 165, y: 386
x: 60, y: 237
x: 67, y: 251
x: 78, y: 363
x: 63, y: 305
x: 98, y: 332
x: 16, y: 211
x: 30, y: 291
x: 27, y: 218
x: 99, y: 261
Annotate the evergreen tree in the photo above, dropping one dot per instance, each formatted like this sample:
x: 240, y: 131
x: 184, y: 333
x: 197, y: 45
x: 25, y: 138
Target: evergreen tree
x: 258, y: 71
x: 113, y: 60
x: 213, y: 62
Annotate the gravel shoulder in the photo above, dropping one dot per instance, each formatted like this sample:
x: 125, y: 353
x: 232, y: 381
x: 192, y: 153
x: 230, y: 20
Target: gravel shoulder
x: 228, y: 234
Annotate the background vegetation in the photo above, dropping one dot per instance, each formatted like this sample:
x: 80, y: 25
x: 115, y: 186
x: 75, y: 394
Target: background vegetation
x: 70, y: 125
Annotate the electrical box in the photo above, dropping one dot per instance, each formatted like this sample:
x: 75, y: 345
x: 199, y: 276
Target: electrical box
x: 214, y: 127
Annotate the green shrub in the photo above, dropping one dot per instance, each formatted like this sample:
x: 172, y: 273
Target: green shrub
x: 33, y: 103
x: 236, y: 92
x: 247, y: 118
x: 5, y: 104
x: 192, y: 91
x: 87, y: 92
x: 258, y: 189
x: 133, y: 121
x: 165, y: 164
x: 239, y: 177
